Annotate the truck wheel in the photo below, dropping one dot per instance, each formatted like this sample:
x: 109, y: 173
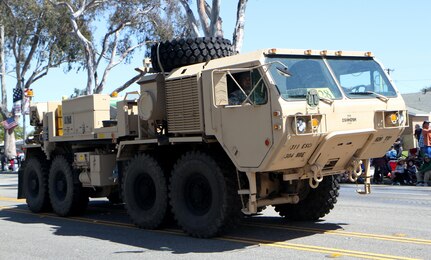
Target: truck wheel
x: 35, y: 175
x: 181, y: 52
x: 202, y: 196
x: 67, y: 195
x: 317, y: 204
x: 145, y: 192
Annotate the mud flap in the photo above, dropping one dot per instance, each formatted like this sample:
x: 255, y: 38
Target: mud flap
x: 20, y: 194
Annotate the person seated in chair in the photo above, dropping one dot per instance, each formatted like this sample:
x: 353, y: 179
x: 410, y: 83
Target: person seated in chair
x: 424, y: 173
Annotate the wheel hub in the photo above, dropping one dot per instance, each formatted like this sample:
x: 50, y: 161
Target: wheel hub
x: 33, y: 184
x: 198, y: 195
x: 61, y: 186
x: 145, y: 192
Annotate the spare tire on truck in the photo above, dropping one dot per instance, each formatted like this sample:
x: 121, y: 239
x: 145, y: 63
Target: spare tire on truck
x: 168, y: 55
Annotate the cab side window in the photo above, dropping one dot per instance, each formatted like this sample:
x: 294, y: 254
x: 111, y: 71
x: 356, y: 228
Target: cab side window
x: 247, y: 88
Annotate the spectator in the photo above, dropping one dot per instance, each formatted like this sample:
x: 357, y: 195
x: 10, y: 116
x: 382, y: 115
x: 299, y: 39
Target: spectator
x: 3, y: 160
x: 398, y: 174
x: 424, y: 173
x: 426, y: 133
x: 411, y: 171
x: 398, y: 146
x: 380, y: 169
x: 418, y: 132
x: 12, y: 164
x: 421, y: 145
x: 391, y: 154
x: 19, y: 158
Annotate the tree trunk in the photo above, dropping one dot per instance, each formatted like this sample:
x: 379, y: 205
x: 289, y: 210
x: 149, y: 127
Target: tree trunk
x: 203, y: 17
x: 128, y: 83
x: 88, y: 47
x: 9, y: 144
x: 3, y: 72
x: 9, y: 136
x: 191, y: 19
x: 238, y: 34
x: 216, y: 26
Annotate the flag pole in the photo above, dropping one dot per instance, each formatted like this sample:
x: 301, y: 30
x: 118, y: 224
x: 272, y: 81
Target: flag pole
x: 22, y: 110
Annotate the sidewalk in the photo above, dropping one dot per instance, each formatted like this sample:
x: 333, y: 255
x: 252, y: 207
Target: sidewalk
x: 8, y: 172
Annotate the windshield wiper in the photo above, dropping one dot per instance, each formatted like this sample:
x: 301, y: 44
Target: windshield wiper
x: 326, y: 100
x: 379, y: 96
x: 297, y: 96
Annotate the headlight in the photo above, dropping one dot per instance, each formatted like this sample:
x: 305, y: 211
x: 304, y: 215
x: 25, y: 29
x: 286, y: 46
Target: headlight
x: 301, y: 126
x: 306, y: 124
x: 394, y: 118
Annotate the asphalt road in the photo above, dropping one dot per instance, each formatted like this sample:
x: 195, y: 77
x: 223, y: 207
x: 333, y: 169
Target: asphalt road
x: 394, y: 222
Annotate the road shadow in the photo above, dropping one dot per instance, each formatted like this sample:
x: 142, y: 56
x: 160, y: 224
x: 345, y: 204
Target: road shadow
x: 110, y: 223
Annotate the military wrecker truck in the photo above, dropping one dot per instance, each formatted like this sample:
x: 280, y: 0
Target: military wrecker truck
x: 212, y: 136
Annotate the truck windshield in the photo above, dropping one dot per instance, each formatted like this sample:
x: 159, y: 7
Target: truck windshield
x: 358, y: 77
x: 361, y: 77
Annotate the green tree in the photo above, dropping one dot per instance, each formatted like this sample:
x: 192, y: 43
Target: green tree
x: 34, y: 37
x: 19, y: 134
x: 130, y: 25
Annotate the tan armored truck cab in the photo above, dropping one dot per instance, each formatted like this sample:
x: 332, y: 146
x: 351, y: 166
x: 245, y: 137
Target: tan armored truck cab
x: 218, y: 139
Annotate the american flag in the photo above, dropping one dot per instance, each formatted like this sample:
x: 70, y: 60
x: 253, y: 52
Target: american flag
x: 9, y: 123
x: 17, y: 94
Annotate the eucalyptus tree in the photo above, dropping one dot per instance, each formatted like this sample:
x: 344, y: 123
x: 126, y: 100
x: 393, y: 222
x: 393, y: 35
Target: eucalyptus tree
x: 35, y: 38
x: 130, y: 25
x: 210, y: 21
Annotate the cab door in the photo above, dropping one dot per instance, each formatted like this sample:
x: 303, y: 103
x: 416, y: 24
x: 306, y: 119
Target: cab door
x: 245, y: 126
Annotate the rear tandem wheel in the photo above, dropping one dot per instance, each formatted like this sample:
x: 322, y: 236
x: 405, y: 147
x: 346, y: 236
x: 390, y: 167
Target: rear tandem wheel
x: 35, y: 175
x: 66, y: 193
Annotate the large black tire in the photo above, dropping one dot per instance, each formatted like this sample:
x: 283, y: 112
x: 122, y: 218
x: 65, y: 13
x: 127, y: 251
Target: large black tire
x: 145, y: 192
x: 317, y: 204
x: 66, y: 193
x: 181, y: 52
x: 35, y: 175
x: 203, y: 195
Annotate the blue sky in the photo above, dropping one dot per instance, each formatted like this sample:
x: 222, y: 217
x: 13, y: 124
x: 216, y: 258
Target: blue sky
x: 396, y: 31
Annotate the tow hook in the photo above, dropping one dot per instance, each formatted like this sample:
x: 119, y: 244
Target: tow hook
x: 355, y: 171
x: 317, y: 176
